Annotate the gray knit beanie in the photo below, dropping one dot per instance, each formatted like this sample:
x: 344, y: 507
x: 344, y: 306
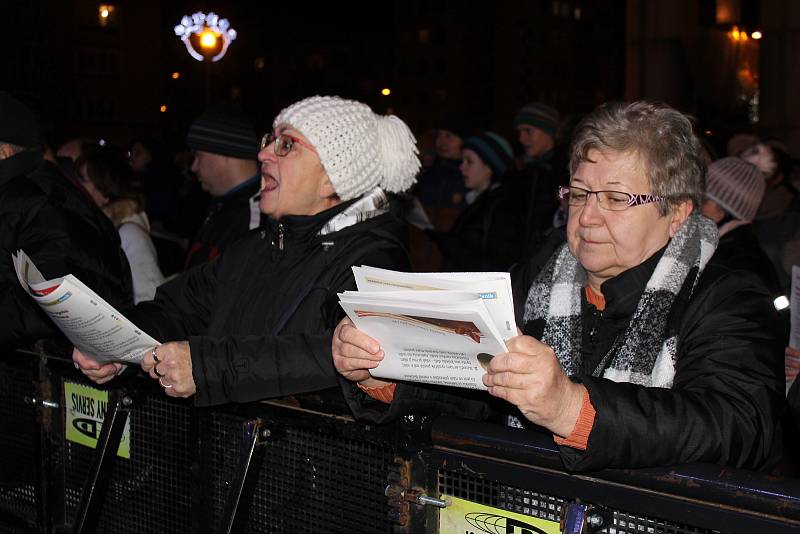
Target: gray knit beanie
x: 539, y: 115
x: 737, y: 186
x: 358, y: 149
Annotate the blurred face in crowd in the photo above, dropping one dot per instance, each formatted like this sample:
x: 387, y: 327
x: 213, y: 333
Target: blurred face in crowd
x: 477, y: 175
x: 294, y: 183
x: 139, y: 157
x: 211, y: 170
x: 712, y: 210
x: 534, y: 141
x: 606, y: 242
x: 448, y: 145
x: 83, y: 177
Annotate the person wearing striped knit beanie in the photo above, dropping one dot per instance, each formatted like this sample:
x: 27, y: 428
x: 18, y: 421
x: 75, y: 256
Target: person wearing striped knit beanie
x: 258, y: 319
x: 545, y: 168
x: 734, y: 189
x: 224, y: 144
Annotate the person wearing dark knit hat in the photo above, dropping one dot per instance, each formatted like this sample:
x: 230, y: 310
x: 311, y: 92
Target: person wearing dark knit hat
x: 440, y: 187
x: 225, y: 145
x: 484, y: 237
x: 537, y: 124
x: 544, y: 170
x: 44, y: 214
x: 258, y: 319
x: 734, y: 189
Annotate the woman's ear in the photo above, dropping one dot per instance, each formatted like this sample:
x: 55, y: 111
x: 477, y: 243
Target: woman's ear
x: 326, y: 189
x: 679, y: 215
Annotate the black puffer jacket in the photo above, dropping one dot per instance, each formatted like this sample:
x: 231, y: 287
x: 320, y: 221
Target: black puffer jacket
x: 63, y: 233
x: 485, y: 236
x: 259, y: 318
x: 229, y: 217
x: 723, y: 407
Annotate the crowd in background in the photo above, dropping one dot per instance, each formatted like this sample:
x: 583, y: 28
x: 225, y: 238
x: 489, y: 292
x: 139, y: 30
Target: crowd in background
x: 478, y: 204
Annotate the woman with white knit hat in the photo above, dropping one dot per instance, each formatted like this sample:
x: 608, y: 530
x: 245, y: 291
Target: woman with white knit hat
x: 257, y: 321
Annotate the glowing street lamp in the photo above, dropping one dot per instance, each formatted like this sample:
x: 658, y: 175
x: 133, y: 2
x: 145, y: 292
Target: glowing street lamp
x: 208, y: 30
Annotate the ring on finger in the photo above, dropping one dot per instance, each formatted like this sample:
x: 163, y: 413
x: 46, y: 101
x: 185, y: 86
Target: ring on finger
x: 154, y: 354
x: 163, y: 385
x: 155, y: 370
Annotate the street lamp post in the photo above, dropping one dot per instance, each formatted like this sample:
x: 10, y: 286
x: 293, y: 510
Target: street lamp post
x: 207, y: 38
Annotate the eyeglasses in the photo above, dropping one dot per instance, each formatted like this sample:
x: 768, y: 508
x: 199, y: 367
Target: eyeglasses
x: 284, y: 143
x: 608, y: 200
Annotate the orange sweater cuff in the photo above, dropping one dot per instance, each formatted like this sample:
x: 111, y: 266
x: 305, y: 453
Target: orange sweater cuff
x: 579, y: 438
x: 383, y: 393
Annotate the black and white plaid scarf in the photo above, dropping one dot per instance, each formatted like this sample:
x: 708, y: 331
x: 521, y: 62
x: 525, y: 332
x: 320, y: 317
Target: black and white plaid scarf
x: 644, y: 355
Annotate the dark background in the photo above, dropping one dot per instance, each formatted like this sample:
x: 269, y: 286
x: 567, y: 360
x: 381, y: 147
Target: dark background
x: 481, y: 58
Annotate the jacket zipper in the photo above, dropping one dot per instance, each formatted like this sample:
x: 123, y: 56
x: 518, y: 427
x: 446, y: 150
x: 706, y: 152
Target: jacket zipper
x: 280, y: 236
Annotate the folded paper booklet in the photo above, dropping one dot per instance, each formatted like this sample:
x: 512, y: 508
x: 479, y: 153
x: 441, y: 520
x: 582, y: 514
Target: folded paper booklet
x: 437, y: 328
x: 95, y: 327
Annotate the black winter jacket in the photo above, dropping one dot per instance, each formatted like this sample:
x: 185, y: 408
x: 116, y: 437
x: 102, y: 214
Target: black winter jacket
x: 259, y: 318
x: 229, y: 217
x: 723, y: 407
x: 485, y: 236
x: 43, y: 214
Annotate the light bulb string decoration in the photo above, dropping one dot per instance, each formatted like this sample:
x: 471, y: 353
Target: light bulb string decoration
x: 200, y: 23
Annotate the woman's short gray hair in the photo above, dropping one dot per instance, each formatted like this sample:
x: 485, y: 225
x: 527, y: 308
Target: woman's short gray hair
x: 659, y: 135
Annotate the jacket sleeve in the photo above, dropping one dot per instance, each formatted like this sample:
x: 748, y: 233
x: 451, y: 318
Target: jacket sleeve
x: 48, y: 237
x: 182, y: 307
x: 244, y: 369
x: 417, y: 399
x: 726, y: 396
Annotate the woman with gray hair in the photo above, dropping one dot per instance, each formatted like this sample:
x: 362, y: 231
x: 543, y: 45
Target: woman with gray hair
x: 639, y: 349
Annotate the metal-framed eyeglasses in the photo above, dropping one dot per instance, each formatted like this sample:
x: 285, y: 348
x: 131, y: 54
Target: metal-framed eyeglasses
x: 283, y: 143
x: 608, y: 200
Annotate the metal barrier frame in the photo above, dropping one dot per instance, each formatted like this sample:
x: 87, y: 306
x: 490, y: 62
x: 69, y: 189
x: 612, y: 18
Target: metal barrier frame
x: 405, y: 483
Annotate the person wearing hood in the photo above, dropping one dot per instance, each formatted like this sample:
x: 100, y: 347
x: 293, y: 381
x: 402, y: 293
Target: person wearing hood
x: 257, y: 321
x: 108, y: 181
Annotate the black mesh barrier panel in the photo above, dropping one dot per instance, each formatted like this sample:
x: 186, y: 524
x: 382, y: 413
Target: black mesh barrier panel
x: 537, y: 504
x: 20, y: 434
x: 151, y: 491
x: 311, y: 479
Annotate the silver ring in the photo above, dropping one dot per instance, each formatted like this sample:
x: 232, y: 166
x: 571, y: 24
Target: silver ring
x: 155, y: 370
x: 154, y: 354
x: 165, y: 386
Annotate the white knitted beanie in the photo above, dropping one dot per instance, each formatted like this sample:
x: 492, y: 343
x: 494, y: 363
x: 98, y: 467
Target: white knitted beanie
x: 358, y: 149
x: 737, y: 186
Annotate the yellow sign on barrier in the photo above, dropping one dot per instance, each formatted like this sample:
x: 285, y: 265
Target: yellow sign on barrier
x: 86, y: 407
x: 465, y: 517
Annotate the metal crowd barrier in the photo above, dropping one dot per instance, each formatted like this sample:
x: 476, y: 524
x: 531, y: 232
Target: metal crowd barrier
x: 303, y: 465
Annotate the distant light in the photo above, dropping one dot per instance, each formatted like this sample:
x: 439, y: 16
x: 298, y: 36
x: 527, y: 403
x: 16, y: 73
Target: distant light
x: 709, y: 133
x: 176, y: 75
x: 163, y: 109
x: 743, y: 35
x: 781, y: 303
x: 386, y: 91
x: 102, y: 142
x: 104, y: 14
x: 735, y: 33
x: 756, y: 35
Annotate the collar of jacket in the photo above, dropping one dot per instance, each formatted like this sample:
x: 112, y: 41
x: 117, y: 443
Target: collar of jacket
x: 21, y: 163
x: 302, y: 228
x: 246, y: 189
x: 623, y: 292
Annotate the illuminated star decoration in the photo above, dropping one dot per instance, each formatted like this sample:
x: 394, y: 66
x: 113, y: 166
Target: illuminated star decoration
x: 199, y: 23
